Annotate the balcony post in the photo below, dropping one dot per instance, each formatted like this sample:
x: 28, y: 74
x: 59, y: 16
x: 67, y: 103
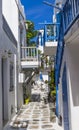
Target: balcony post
x: 34, y: 51
x: 31, y: 52
x: 37, y: 54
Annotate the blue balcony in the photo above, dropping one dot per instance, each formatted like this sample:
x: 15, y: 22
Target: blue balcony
x: 70, y: 14
x: 50, y: 38
x: 51, y: 32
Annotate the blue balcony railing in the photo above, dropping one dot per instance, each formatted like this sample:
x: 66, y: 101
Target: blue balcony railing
x: 67, y: 17
x: 51, y: 32
x: 70, y: 13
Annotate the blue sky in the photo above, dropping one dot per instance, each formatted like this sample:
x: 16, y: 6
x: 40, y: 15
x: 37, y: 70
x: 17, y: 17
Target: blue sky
x: 38, y: 12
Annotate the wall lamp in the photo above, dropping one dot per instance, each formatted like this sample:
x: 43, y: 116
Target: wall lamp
x: 9, y: 53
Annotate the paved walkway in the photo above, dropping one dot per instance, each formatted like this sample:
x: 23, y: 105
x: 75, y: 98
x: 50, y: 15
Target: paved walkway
x: 34, y: 116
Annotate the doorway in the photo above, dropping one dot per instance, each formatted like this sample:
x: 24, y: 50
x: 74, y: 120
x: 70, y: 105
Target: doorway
x: 65, y: 99
x: 4, y: 92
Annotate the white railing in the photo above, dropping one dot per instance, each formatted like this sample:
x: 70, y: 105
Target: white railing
x: 29, y: 54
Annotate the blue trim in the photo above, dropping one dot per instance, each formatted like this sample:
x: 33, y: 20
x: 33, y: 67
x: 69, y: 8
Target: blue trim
x: 59, y: 57
x: 60, y: 50
x: 70, y: 14
x: 65, y: 99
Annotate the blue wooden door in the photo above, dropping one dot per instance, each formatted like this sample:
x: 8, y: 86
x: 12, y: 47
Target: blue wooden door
x: 65, y: 99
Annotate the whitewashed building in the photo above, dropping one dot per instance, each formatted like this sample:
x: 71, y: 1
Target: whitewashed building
x: 10, y: 42
x: 67, y: 63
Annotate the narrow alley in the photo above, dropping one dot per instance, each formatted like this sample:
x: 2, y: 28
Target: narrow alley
x: 39, y: 65
x: 35, y: 115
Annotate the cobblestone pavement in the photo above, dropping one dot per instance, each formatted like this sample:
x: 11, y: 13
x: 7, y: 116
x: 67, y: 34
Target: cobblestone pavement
x: 34, y: 116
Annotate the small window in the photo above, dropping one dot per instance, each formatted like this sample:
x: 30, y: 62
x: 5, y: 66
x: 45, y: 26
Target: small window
x: 11, y: 77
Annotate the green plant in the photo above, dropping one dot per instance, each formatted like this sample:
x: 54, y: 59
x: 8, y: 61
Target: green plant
x: 53, y: 93
x: 27, y: 100
x: 52, y: 86
x: 31, y: 33
x: 52, y: 78
x: 46, y: 81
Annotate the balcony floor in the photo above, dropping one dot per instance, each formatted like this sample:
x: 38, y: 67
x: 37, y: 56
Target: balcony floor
x: 29, y: 64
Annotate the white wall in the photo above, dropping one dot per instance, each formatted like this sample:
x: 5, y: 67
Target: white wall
x: 21, y: 42
x: 51, y: 44
x: 73, y: 83
x: 20, y: 96
x: 0, y: 97
x: 71, y: 54
x: 60, y: 100
x: 0, y: 68
x: 8, y: 96
x: 5, y: 45
x: 10, y: 12
x: 41, y: 48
